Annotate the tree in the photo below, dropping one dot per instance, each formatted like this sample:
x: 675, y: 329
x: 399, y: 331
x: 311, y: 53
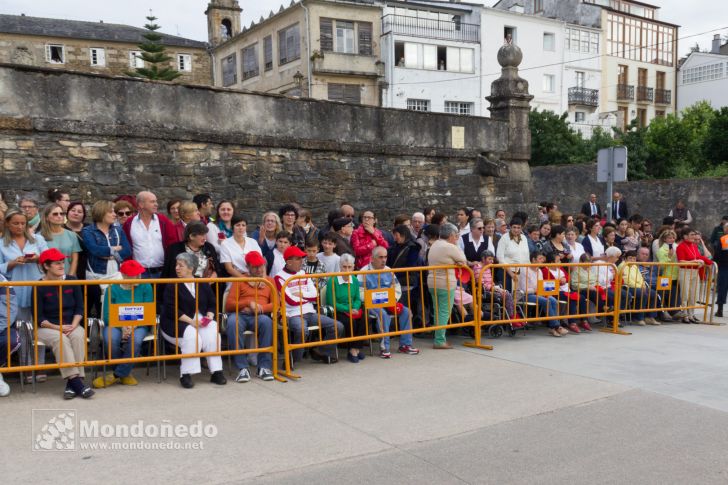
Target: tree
x: 637, y: 153
x: 553, y: 142
x: 153, y: 54
x: 668, y: 147
x: 715, y: 147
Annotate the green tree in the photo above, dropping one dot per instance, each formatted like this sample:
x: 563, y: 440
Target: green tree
x: 637, y: 153
x: 667, y: 141
x: 715, y: 147
x: 553, y: 142
x: 696, y: 120
x: 154, y: 55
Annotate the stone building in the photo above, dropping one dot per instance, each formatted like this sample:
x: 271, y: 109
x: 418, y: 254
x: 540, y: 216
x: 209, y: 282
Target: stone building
x: 314, y: 48
x: 93, y: 47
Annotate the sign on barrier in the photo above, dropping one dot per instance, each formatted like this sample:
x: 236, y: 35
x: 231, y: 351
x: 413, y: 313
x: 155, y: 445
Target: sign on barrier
x: 126, y: 315
x: 380, y: 298
x: 547, y: 288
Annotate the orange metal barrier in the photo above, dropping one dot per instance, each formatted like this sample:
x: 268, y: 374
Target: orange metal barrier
x: 670, y: 287
x: 140, y: 312
x: 561, y: 291
x: 297, y: 304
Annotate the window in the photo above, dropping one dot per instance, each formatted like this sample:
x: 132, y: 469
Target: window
x: 640, y: 40
x: 537, y: 6
x: 659, y: 114
x: 642, y: 117
x: 250, y: 61
x: 577, y: 40
x: 135, y: 59
x: 579, y: 79
x: 268, y: 53
x: 700, y: 73
x: 579, y: 117
x: 98, y: 56
x: 229, y: 70
x: 622, y: 74
x: 344, y: 37
x: 433, y: 57
x: 509, y: 35
x: 548, y: 83
x: 549, y: 42
x: 184, y: 62
x: 458, y: 108
x: 289, y: 44
x: 55, y: 54
x: 348, y: 93
x: 418, y: 104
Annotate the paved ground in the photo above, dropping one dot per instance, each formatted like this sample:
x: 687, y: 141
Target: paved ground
x: 592, y: 408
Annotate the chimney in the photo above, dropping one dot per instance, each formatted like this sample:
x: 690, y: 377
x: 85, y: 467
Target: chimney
x: 716, y: 44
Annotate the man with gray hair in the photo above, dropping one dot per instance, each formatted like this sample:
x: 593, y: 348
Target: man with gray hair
x: 417, y: 222
x: 149, y: 235
x: 384, y: 317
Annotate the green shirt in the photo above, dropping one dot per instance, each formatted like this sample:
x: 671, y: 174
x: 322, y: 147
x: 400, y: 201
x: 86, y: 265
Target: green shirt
x: 67, y: 243
x: 116, y: 294
x: 347, y: 294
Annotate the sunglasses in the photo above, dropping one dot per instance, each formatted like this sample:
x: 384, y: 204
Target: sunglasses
x: 479, y: 228
x: 123, y: 213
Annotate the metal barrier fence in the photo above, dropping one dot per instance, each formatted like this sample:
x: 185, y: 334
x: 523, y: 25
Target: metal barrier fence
x: 517, y: 295
x: 651, y: 288
x: 304, y: 309
x: 140, y: 309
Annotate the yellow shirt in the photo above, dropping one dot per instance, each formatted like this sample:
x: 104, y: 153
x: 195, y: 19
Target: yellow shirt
x: 631, y: 275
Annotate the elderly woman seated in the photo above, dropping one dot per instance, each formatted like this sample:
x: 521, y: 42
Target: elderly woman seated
x: 343, y: 294
x: 58, y: 320
x: 187, y: 320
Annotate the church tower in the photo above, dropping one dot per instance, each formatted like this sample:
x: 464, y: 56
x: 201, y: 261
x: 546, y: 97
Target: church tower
x: 223, y: 20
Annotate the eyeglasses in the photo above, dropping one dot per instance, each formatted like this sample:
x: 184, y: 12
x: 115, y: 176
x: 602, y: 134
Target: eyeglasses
x: 58, y: 213
x: 28, y: 206
x: 365, y: 217
x: 123, y: 213
x: 479, y: 228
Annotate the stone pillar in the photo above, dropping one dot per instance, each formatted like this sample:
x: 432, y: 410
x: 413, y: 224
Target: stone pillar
x: 510, y: 102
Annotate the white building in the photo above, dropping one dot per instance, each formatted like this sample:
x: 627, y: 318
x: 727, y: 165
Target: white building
x: 542, y: 43
x: 431, y: 53
x: 704, y: 77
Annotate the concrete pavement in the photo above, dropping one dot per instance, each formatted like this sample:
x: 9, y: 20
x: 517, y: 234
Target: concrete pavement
x: 590, y: 408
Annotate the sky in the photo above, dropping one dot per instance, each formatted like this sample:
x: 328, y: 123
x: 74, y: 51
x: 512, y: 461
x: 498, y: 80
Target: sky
x: 186, y: 17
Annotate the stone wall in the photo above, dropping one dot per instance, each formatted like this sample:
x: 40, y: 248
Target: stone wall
x: 570, y: 186
x: 101, y: 137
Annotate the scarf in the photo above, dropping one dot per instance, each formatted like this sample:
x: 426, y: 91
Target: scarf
x: 34, y: 221
x: 223, y: 228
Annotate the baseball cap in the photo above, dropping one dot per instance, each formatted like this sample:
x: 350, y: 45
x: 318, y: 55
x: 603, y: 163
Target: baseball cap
x: 254, y: 258
x: 52, y: 254
x: 293, y: 252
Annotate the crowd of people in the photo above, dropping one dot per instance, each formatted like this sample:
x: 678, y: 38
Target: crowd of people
x: 130, y: 238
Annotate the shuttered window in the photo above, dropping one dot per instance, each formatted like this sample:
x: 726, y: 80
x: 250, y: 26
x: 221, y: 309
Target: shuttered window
x: 289, y: 44
x: 348, y: 93
x: 327, y: 34
x: 250, y: 61
x: 229, y: 70
x: 365, y: 38
x: 268, y: 52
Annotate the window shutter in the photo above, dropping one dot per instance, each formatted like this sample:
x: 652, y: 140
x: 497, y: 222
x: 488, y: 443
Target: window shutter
x: 352, y: 93
x: 327, y: 35
x: 268, y: 52
x: 336, y: 92
x: 101, y: 57
x: 48, y: 53
x: 365, y: 38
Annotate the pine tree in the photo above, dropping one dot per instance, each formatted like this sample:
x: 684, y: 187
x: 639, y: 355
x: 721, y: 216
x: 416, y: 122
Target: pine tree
x: 154, y: 56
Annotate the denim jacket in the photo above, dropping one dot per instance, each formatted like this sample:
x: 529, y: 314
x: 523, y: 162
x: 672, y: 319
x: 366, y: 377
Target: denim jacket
x: 98, y: 247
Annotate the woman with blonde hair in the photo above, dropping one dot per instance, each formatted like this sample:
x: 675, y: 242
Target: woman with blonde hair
x: 57, y: 236
x: 265, y: 235
x: 188, y: 212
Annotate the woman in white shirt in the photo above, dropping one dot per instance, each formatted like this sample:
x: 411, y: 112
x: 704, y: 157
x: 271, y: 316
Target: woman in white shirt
x: 222, y: 228
x: 234, y: 249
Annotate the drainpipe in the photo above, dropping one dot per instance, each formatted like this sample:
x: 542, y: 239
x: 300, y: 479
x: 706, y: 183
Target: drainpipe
x: 308, y: 47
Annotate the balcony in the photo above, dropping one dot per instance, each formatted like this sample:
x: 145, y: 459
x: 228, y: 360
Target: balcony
x: 645, y: 94
x: 663, y: 96
x: 625, y: 92
x: 342, y: 64
x: 584, y: 97
x: 430, y: 28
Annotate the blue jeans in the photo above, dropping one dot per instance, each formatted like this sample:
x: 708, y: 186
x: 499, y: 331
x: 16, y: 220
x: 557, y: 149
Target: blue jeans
x: 149, y: 275
x: 123, y: 370
x: 551, y: 305
x: 246, y: 321
x: 644, y: 299
x: 312, y: 319
x: 14, y: 344
x: 384, y: 322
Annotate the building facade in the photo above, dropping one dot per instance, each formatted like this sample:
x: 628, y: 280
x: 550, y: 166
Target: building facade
x: 314, y: 48
x: 703, y: 76
x: 94, y: 47
x: 637, y: 53
x: 432, y: 57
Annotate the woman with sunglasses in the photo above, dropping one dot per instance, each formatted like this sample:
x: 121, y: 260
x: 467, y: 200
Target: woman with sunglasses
x: 124, y: 210
x: 57, y: 236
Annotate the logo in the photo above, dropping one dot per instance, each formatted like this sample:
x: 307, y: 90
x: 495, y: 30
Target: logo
x: 54, y: 429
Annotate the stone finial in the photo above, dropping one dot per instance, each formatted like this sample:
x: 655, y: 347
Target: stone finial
x: 510, y: 55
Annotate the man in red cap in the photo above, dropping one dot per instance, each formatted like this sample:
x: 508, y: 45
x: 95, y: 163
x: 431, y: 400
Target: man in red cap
x: 384, y: 317
x: 126, y: 338
x: 248, y: 306
x: 300, y: 296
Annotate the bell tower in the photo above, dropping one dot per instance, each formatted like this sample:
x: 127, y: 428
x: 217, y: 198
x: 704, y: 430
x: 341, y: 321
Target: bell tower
x: 223, y: 20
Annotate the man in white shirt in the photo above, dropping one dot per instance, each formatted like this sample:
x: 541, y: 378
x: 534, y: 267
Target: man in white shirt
x: 149, y: 234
